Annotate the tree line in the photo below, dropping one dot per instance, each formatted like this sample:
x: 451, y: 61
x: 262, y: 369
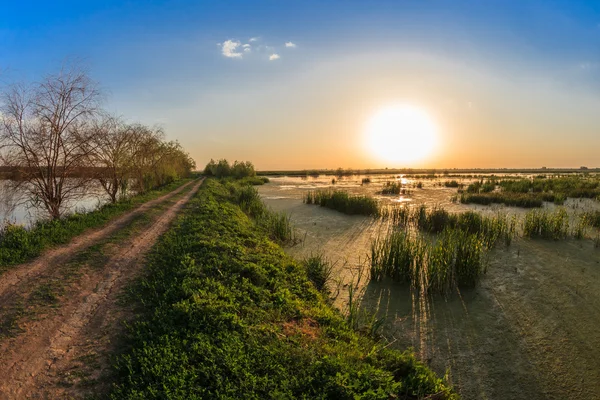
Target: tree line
x: 60, y: 142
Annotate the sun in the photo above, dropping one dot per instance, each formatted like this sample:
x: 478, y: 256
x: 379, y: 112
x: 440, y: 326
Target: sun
x: 401, y: 133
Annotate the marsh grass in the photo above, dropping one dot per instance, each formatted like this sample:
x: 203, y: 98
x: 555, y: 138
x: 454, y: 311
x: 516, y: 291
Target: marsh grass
x: 545, y: 224
x: 436, y: 220
x: 391, y: 188
x: 524, y: 200
x: 344, y: 202
x: 592, y: 218
x: 277, y: 225
x: 454, y: 258
x: 320, y: 271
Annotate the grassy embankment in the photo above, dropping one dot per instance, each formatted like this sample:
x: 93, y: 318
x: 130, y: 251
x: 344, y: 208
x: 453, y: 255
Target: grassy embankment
x: 18, y: 244
x: 224, y: 313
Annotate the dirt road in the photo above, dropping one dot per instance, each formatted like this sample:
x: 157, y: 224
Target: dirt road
x: 66, y: 304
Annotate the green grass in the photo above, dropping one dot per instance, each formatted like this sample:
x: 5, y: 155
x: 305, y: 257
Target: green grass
x: 546, y: 224
x: 436, y: 220
x: 525, y: 200
x: 277, y: 225
x: 454, y: 258
x: 225, y: 314
x: 319, y: 271
x: 592, y: 218
x: 343, y: 201
x: 18, y: 244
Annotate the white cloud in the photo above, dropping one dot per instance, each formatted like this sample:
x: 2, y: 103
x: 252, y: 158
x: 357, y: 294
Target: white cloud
x: 247, y: 50
x: 229, y: 49
x: 253, y: 39
x: 245, y: 45
x: 274, y: 56
x: 290, y: 44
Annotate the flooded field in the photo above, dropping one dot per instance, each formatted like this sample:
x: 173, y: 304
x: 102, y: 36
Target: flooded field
x: 528, y: 330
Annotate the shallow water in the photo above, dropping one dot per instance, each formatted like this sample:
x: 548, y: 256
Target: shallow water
x: 527, y: 331
x: 15, y: 209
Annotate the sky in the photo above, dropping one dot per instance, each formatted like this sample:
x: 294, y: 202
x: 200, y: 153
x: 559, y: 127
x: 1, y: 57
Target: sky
x: 294, y: 84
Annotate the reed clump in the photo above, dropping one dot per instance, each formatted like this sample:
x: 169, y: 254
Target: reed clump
x: 391, y: 188
x: 344, y: 202
x: 436, y: 220
x: 545, y: 224
x: 454, y: 259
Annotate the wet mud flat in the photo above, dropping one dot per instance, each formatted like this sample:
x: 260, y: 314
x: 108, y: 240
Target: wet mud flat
x: 528, y: 330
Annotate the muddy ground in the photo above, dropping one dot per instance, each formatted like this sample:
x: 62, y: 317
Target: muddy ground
x: 529, y: 330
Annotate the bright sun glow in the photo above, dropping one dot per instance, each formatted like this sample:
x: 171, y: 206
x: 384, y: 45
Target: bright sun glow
x: 401, y: 133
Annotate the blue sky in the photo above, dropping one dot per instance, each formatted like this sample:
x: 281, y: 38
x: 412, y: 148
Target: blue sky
x: 502, y: 78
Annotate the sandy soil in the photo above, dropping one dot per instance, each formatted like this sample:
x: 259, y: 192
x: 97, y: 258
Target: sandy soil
x: 51, y: 346
x: 527, y: 331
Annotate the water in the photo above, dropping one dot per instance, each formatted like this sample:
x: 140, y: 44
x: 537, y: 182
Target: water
x: 16, y: 209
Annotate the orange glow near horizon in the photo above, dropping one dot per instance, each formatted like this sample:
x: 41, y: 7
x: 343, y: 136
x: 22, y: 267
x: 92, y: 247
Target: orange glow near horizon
x: 401, y: 133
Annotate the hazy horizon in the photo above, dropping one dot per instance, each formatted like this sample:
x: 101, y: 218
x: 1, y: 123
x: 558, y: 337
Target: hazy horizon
x: 506, y: 84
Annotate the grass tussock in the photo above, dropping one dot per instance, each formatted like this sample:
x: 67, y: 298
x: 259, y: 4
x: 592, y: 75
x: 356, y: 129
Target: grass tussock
x: 454, y: 259
x: 546, y: 224
x: 343, y: 201
x: 435, y: 220
x: 391, y: 188
x: 223, y: 313
x: 19, y: 244
x: 319, y: 271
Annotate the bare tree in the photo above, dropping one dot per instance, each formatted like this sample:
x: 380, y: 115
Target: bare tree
x: 44, y: 133
x: 112, y: 152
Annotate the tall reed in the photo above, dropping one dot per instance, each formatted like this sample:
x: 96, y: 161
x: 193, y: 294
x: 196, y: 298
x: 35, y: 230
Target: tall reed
x: 343, y: 201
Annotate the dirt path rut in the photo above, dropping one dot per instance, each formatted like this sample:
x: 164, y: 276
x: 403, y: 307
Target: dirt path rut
x: 37, y: 362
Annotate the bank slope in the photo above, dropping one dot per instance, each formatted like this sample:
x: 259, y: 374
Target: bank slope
x: 224, y: 313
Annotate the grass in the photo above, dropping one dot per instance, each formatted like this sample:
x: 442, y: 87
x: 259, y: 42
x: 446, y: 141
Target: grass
x: 277, y: 226
x: 545, y: 224
x: 224, y: 313
x: 454, y: 259
x: 525, y: 200
x: 592, y: 218
x: 343, y: 201
x: 18, y: 244
x: 436, y: 220
x: 451, y: 184
x: 319, y: 271
x: 391, y: 188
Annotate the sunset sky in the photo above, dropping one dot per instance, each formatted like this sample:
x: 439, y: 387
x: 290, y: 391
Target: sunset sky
x: 296, y: 84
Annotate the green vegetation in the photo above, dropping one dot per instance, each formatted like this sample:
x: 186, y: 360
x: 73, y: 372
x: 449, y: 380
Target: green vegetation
x: 451, y: 184
x: 223, y: 169
x: 18, y: 244
x: 277, y: 226
x: 545, y: 224
x: 319, y: 270
x: 592, y: 218
x: 391, y: 188
x: 224, y: 313
x: 455, y: 258
x: 525, y: 200
x: 344, y: 202
x: 436, y: 220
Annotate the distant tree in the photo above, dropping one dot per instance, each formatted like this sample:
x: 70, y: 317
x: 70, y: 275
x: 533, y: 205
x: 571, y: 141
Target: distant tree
x: 45, y: 133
